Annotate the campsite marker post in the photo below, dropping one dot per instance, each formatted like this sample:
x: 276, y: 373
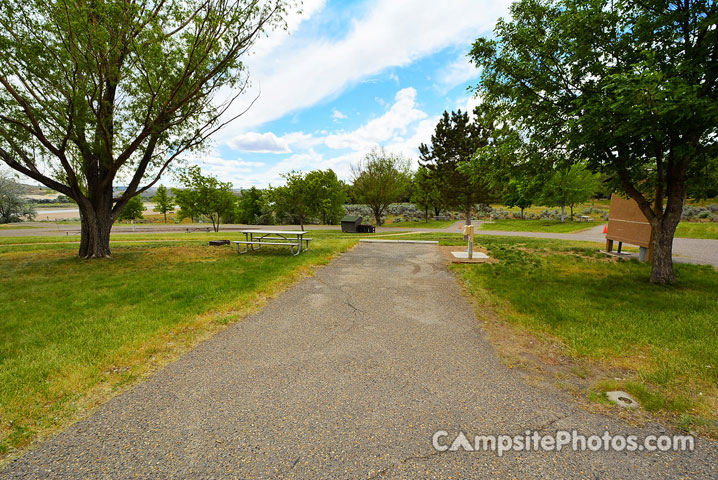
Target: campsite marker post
x: 469, y: 235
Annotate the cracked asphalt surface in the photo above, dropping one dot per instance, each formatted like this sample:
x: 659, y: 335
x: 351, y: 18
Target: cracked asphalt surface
x: 346, y: 375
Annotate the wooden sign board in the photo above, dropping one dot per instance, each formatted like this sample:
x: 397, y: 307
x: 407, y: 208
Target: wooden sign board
x: 627, y: 224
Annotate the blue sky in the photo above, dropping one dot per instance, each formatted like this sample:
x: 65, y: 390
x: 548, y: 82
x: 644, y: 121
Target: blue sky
x: 350, y: 76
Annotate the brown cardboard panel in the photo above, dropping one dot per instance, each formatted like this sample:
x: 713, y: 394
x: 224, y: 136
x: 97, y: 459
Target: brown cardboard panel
x: 627, y: 223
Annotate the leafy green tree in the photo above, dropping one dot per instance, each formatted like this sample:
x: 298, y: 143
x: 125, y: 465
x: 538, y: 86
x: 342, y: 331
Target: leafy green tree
x: 426, y: 194
x: 164, y: 202
x: 133, y: 209
x: 294, y: 198
x: 520, y: 192
x: 327, y: 195
x: 90, y: 90
x: 381, y: 179
x: 704, y: 182
x: 204, y: 196
x: 569, y: 186
x: 13, y: 206
x: 631, y: 87
x: 250, y: 206
x: 453, y: 144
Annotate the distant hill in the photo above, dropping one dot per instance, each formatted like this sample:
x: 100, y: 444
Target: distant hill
x: 36, y: 190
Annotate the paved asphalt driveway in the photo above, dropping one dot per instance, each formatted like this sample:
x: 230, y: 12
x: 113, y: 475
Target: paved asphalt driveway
x: 346, y: 375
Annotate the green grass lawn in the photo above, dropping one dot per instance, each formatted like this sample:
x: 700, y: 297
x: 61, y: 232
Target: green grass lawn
x: 15, y: 226
x: 697, y: 230
x: 554, y: 226
x: 429, y: 224
x: 606, y: 310
x: 74, y: 331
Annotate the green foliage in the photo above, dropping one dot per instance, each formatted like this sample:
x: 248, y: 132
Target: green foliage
x: 453, y: 144
x: 294, y: 199
x: 426, y: 194
x: 90, y: 90
x: 629, y: 87
x: 250, y: 206
x: 520, y: 193
x: 12, y: 204
x: 204, y: 196
x: 327, y: 196
x: 703, y: 183
x: 164, y: 203
x: 381, y: 179
x: 318, y: 193
x: 569, y: 186
x: 133, y: 209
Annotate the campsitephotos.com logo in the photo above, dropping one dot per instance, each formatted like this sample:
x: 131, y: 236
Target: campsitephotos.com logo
x: 442, y: 441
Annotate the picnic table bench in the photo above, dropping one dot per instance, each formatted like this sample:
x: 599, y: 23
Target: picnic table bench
x: 584, y: 218
x: 254, y: 239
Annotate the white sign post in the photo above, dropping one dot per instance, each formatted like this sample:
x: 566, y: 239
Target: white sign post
x: 469, y: 235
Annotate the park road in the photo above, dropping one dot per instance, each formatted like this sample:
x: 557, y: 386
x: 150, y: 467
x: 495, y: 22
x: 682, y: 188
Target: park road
x: 348, y: 374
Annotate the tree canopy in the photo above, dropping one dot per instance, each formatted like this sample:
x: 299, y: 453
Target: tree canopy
x: 294, y: 198
x: 316, y: 194
x: 567, y: 187
x: 328, y: 196
x: 92, y: 91
x: 133, y: 209
x: 250, y: 206
x: 381, y: 179
x: 454, y: 143
x: 426, y: 194
x: 204, y: 196
x: 164, y: 202
x: 629, y: 87
x: 13, y: 207
x: 520, y: 192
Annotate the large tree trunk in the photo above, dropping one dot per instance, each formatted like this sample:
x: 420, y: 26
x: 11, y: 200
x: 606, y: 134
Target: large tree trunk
x: 468, y: 213
x: 96, y: 224
x: 563, y: 213
x: 662, y: 247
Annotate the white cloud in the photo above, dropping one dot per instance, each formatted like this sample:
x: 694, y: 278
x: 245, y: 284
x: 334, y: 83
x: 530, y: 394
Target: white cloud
x: 468, y: 104
x: 458, y: 72
x: 401, y: 129
x: 337, y: 115
x: 410, y: 146
x: 378, y: 130
x: 296, y: 76
x: 259, y: 143
x: 294, y: 19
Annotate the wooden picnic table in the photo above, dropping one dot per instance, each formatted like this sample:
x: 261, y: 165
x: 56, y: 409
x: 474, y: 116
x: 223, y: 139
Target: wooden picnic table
x: 254, y: 239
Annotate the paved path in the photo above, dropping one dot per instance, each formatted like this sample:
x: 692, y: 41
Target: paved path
x: 346, y: 375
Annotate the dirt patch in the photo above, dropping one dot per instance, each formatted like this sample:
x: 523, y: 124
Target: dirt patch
x: 446, y: 251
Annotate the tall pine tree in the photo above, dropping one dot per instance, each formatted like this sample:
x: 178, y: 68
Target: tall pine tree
x: 453, y: 144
